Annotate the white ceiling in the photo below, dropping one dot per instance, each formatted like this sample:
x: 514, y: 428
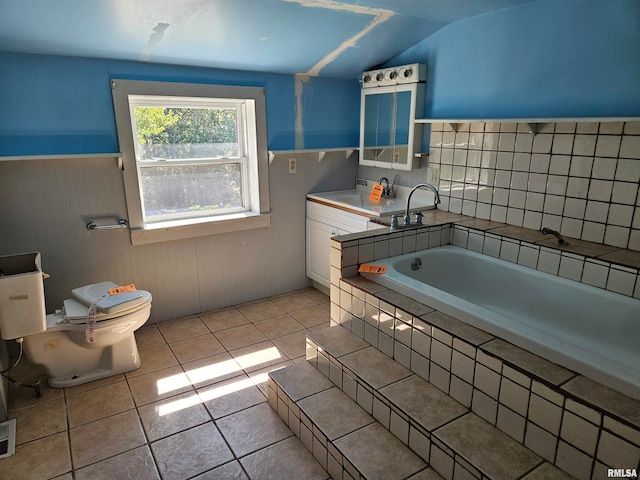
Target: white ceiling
x: 334, y: 38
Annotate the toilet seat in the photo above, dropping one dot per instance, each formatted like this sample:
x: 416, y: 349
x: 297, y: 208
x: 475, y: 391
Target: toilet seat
x: 76, y: 309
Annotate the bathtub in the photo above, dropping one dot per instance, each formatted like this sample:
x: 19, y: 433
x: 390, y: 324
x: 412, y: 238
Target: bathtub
x: 586, y: 329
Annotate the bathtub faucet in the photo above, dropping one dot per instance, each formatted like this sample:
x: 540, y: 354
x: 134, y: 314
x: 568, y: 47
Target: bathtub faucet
x: 418, y: 214
x: 548, y: 231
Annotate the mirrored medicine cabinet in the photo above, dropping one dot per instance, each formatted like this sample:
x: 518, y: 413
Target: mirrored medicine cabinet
x: 389, y: 134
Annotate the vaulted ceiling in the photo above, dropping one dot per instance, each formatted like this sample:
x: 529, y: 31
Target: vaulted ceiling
x: 333, y: 38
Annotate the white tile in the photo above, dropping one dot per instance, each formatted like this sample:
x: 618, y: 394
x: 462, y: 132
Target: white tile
x: 519, y: 180
x: 500, y: 196
x: 573, y: 461
x: 475, y: 242
x: 522, y: 161
x: 562, y: 144
x: 545, y: 414
x: 549, y: 262
x: 461, y: 391
x: 560, y: 164
x: 535, y: 201
x: 419, y: 443
x: 608, y: 146
x: 571, y: 268
x: 528, y: 256
x: 600, y: 190
x: 611, y: 128
x: 577, y: 187
x: 604, y: 168
x: 617, y: 236
x: 593, y: 232
x: 584, y: 145
x: 524, y: 142
x: 620, y: 215
x: 511, y: 423
x: 557, y: 184
x: 540, y: 163
x: 490, y: 141
x: 553, y: 204
x: 502, y: 178
x: 537, y: 182
x: 474, y: 158
x: 509, y: 251
x: 581, y: 166
x: 628, y: 170
x: 484, y: 406
x: 441, y: 354
x: 596, y: 211
x: 460, y: 157
x: 632, y: 128
x: 571, y: 227
x: 579, y: 433
x: 541, y: 442
x: 613, y: 450
x: 566, y: 127
x: 630, y: 147
x: 517, y: 199
x: 574, y: 207
x: 506, y: 142
x: 455, y: 205
x: 552, y: 221
x: 491, y: 246
x: 587, y: 127
x: 532, y: 220
x: 483, y: 210
x: 621, y: 281
x: 595, y: 273
x: 624, y: 192
x: 381, y: 412
x: 504, y: 161
x: 542, y: 143
x: 439, y: 377
x: 487, y: 380
x: 514, y: 396
x: 420, y: 365
x: 498, y: 213
x: 515, y: 216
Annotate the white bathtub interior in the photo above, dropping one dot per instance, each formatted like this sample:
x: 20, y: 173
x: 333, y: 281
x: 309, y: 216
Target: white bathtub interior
x: 586, y: 329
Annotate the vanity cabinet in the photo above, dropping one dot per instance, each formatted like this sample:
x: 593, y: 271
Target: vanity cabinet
x: 389, y: 134
x: 324, y: 222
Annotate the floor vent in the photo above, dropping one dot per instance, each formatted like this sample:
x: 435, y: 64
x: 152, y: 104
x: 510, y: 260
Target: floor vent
x: 8, y: 438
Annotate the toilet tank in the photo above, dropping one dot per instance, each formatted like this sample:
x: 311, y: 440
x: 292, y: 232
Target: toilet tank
x: 22, y: 309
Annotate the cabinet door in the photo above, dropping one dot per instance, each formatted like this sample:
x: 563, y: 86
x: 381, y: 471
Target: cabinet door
x: 318, y: 251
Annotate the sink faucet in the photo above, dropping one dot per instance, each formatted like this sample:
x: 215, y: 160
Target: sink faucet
x: 548, y: 231
x: 387, y: 192
x: 407, y: 219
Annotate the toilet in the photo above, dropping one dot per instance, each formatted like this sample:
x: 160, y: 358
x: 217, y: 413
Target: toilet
x: 72, y: 348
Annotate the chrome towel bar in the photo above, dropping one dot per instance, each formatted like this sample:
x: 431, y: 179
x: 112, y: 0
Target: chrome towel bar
x: 122, y: 223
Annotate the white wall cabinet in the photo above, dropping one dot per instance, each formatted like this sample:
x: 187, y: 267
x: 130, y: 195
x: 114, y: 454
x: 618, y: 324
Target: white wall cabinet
x: 324, y: 222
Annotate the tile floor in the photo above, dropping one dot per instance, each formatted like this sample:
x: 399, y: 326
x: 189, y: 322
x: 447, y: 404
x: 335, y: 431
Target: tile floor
x: 196, y: 408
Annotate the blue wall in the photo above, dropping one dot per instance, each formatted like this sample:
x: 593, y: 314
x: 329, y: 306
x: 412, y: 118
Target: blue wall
x: 62, y: 105
x: 544, y: 59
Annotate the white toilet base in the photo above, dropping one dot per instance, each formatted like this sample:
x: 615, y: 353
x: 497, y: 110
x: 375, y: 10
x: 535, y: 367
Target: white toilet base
x: 68, y: 364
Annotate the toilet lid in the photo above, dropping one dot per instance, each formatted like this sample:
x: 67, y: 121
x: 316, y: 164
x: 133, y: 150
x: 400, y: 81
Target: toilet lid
x: 77, y: 308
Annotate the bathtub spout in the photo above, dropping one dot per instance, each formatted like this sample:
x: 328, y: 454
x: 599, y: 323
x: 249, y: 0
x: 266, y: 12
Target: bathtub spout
x: 548, y: 231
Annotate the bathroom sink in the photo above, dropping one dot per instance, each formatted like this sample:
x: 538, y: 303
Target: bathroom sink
x: 359, y: 201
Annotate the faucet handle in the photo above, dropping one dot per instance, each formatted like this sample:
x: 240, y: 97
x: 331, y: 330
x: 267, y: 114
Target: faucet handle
x: 419, y: 216
x: 394, y: 222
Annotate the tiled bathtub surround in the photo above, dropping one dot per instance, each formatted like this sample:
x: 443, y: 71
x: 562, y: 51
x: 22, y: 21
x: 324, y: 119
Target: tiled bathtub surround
x: 581, y: 179
x: 570, y: 421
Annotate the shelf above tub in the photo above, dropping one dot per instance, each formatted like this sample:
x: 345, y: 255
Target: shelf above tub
x: 20, y: 158
x: 532, y: 123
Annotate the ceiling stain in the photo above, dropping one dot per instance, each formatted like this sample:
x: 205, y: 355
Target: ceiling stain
x: 154, y: 39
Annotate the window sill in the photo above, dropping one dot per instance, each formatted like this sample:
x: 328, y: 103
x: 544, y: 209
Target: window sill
x: 180, y: 230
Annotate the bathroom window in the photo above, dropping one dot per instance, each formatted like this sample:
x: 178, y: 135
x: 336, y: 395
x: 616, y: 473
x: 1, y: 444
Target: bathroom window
x: 195, y: 159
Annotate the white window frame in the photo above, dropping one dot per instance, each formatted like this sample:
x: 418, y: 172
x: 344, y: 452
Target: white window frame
x: 129, y: 93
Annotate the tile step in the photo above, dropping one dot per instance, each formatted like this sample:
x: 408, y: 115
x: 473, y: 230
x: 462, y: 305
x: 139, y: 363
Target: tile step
x: 454, y: 441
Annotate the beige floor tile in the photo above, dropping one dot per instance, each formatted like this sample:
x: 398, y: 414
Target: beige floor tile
x: 99, y: 403
x: 213, y: 369
x: 40, y: 420
x: 241, y: 336
x: 293, y: 302
x: 375, y: 367
x: 252, y: 429
x: 260, y: 310
x: 105, y: 438
x: 258, y: 355
x: 191, y: 452
x: 194, y: 348
x: 228, y: 471
x: 172, y: 415
x: 39, y: 460
x: 149, y: 336
x: 230, y: 396
x: 95, y: 384
x: 278, y: 326
x: 316, y: 295
x: 285, y: 459
x: 293, y: 345
x: 182, y: 328
x: 224, y: 319
x: 154, y: 358
x: 26, y: 397
x: 312, y: 316
x: 137, y: 463
x: 160, y: 384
